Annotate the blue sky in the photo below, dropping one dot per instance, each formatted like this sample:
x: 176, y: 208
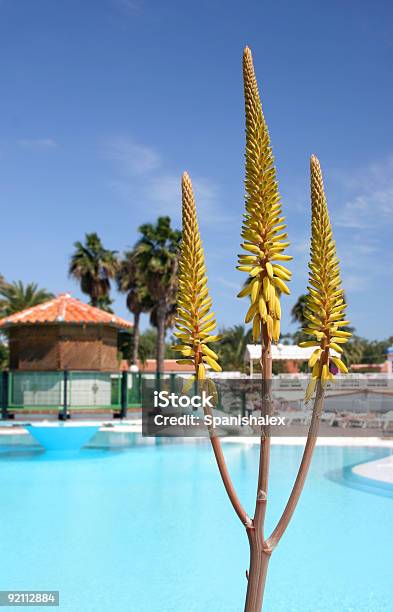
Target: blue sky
x: 105, y: 102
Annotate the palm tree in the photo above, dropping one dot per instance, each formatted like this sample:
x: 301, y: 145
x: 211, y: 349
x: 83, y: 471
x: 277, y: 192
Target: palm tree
x: 157, y: 255
x: 298, y: 316
x: 147, y: 345
x: 232, y: 347
x: 94, y: 267
x: 169, y: 316
x: 355, y: 350
x: 3, y: 356
x: 298, y: 309
x: 130, y: 281
x: 168, y: 323
x: 16, y: 296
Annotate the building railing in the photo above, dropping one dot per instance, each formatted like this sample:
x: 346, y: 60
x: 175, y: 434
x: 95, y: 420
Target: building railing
x: 70, y: 392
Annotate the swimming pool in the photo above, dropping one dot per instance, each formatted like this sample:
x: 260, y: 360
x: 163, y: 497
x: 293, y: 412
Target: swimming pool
x: 149, y: 529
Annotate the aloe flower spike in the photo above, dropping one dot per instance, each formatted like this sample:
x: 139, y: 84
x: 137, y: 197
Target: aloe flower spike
x: 195, y: 321
x: 325, y: 304
x: 265, y: 239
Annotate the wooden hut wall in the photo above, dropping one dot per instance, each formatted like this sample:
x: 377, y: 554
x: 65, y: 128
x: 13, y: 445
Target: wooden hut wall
x: 34, y: 348
x: 63, y: 347
x: 88, y: 348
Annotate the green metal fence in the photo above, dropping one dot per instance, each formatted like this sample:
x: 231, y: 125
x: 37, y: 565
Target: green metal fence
x: 134, y: 389
x: 94, y: 390
x: 38, y: 390
x: 52, y: 390
x: 71, y: 391
x: 135, y: 382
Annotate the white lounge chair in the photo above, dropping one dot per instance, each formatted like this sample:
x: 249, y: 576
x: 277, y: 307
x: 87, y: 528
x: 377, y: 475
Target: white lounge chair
x: 299, y: 418
x: 353, y: 419
x: 328, y: 418
x: 386, y: 420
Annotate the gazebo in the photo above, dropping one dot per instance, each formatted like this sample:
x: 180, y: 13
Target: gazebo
x: 63, y: 353
x: 63, y: 334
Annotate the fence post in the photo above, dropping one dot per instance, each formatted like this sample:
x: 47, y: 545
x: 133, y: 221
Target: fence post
x: 63, y: 415
x: 124, y: 394
x: 140, y: 383
x: 4, y: 398
x: 172, y: 384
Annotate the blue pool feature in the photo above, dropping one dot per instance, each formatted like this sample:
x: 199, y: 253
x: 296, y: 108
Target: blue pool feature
x: 150, y: 529
x: 62, y: 437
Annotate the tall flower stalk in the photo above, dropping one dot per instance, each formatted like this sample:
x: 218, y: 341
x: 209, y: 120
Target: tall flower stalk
x: 325, y: 304
x: 195, y: 321
x: 325, y: 313
x: 264, y: 243
x: 263, y: 228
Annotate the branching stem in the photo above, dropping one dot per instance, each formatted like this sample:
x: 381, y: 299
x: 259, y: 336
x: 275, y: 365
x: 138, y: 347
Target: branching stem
x: 286, y: 516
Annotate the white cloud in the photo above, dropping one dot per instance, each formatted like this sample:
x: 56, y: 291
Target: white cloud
x: 369, y: 197
x: 37, y: 144
x: 300, y: 246
x: 127, y: 6
x: 165, y: 190
x: 353, y: 282
x: 165, y: 193
x: 230, y: 284
x: 142, y: 177
x: 132, y: 158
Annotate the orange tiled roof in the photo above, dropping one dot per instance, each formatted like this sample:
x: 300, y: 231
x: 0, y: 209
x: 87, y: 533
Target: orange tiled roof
x: 64, y: 309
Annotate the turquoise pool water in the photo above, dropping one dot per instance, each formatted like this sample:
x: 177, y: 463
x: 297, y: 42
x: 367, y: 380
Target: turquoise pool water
x: 149, y: 529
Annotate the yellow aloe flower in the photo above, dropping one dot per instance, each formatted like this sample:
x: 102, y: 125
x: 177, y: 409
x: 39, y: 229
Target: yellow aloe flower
x: 263, y: 227
x: 194, y: 321
x: 325, y: 305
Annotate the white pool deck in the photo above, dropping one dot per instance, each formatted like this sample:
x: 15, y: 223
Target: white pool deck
x: 379, y: 470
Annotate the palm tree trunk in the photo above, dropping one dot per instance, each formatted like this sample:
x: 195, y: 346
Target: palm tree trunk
x: 135, y: 340
x: 161, y: 312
